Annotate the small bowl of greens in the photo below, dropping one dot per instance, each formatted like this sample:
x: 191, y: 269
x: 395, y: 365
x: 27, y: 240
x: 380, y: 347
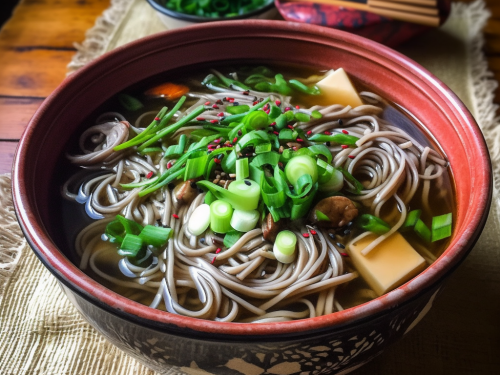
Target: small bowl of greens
x: 180, y: 13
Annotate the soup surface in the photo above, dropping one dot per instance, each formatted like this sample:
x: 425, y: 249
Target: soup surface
x: 254, y: 194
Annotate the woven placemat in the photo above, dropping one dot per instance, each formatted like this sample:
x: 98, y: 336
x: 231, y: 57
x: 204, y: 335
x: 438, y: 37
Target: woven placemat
x: 41, y: 332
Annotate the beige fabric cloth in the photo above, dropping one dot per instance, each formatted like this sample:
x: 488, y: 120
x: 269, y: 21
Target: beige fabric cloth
x: 41, y: 332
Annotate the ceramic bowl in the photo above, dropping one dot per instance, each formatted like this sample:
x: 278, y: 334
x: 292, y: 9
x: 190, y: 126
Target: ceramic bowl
x: 173, y: 20
x: 168, y: 343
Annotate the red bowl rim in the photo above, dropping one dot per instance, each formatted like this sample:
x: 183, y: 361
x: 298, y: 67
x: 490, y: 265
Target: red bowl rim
x: 86, y: 287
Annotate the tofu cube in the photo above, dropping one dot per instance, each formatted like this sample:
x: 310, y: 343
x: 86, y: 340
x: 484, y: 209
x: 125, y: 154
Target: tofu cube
x: 338, y: 89
x: 389, y: 265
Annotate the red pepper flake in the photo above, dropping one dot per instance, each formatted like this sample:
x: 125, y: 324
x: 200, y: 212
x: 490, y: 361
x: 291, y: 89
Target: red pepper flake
x: 309, y: 132
x: 313, y: 232
x: 240, y: 133
x: 272, y: 123
x: 217, y: 161
x: 219, y: 102
x: 306, y: 235
x: 280, y: 164
x: 246, y: 92
x: 207, y: 103
x: 287, y: 109
x: 344, y: 146
x: 220, y: 114
x: 290, y: 127
x: 267, y: 111
x: 169, y: 165
x: 200, y: 119
x: 235, y: 139
x: 157, y: 118
x: 344, y: 254
x: 175, y: 216
x: 256, y: 102
x: 218, y: 250
x: 214, y: 121
x: 230, y: 100
x: 327, y: 133
x: 149, y: 175
x: 351, y: 156
x: 213, y: 260
x: 297, y: 106
x: 278, y: 103
x: 275, y: 132
x: 299, y: 140
x: 211, y: 147
x: 215, y: 106
x: 345, y: 131
x: 217, y: 140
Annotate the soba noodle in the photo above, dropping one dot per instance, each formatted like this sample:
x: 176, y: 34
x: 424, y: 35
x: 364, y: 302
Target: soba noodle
x: 245, y: 282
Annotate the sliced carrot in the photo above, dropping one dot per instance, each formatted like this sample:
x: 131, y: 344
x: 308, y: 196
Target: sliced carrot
x: 168, y: 90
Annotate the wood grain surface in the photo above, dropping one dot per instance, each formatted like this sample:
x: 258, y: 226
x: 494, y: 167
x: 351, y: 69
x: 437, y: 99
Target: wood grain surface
x: 36, y: 44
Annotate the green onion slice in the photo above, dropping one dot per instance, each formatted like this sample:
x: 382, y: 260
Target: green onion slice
x: 373, y: 224
x: 284, y: 246
x: 441, y: 227
x: 220, y: 216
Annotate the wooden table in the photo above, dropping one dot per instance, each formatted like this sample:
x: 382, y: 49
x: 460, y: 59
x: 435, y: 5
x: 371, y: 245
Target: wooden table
x: 36, y: 44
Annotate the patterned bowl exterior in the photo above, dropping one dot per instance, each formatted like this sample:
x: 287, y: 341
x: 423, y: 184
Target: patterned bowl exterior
x: 334, y: 343
x: 334, y: 351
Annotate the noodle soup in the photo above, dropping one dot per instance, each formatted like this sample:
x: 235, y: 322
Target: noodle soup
x: 260, y: 194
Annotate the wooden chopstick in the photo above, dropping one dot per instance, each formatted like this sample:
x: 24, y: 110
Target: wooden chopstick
x: 403, y: 7
x: 422, y: 19
x: 426, y: 3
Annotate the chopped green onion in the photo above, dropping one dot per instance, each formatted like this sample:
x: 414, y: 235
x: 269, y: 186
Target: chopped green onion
x: 199, y: 219
x: 240, y: 195
x: 130, y: 246
x: 263, y: 148
x: 237, y: 109
x: 300, y: 165
x: 248, y: 191
x: 422, y: 230
x: 302, y: 117
x: 355, y: 186
x: 316, y: 114
x: 129, y: 102
x: 242, y: 169
x: 174, y: 151
x: 441, y: 226
x: 174, y: 127
x: 209, y: 198
x: 335, y: 183
x: 411, y: 219
x: 373, y: 224
x: 195, y: 165
x: 299, y: 86
x: 220, y: 216
x: 155, y: 236
x: 286, y: 135
x: 321, y: 216
x: 284, y: 246
x: 251, y: 139
x: 256, y: 120
x: 341, y: 139
x: 244, y: 221
x: 139, y: 184
x: 144, y: 135
x: 231, y: 238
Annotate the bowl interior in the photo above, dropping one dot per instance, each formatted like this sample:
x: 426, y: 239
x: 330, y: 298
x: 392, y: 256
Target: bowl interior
x: 441, y: 115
